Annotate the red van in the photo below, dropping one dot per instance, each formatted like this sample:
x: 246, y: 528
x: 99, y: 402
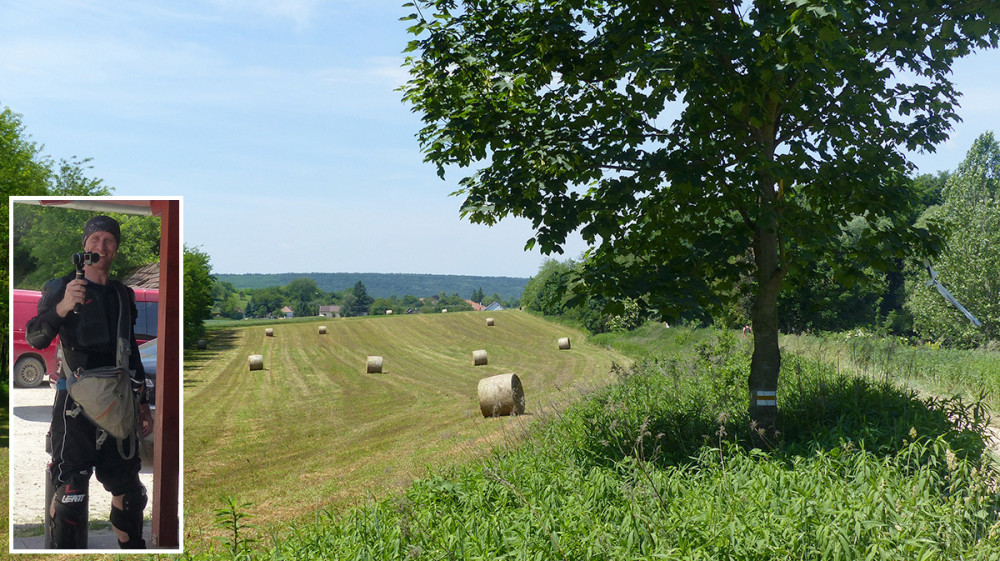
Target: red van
x: 147, y: 302
x: 31, y: 365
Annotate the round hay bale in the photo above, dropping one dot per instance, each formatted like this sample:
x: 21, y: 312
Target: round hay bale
x: 322, y: 330
x: 564, y: 344
x: 388, y: 312
x: 202, y: 344
x: 269, y: 332
x: 479, y: 358
x: 256, y: 362
x: 489, y: 322
x: 501, y: 395
x: 374, y: 365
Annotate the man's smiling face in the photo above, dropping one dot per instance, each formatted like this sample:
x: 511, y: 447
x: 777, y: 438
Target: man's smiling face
x: 104, y: 244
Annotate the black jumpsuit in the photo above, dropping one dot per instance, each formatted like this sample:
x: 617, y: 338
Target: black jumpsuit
x: 88, y: 340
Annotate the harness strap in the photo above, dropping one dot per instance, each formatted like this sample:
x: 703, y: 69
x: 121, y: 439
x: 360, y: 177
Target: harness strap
x: 123, y: 352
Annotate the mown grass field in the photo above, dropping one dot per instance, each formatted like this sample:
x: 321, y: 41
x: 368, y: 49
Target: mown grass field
x: 657, y: 465
x: 648, y: 460
x: 313, y: 430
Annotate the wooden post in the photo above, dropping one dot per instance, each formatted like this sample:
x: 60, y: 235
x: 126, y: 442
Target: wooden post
x: 166, y: 449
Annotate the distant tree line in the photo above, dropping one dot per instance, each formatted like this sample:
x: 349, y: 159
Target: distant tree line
x: 387, y: 284
x: 846, y: 294
x: 304, y: 297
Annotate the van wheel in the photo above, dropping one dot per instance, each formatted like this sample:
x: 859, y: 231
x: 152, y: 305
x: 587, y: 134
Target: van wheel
x: 28, y: 372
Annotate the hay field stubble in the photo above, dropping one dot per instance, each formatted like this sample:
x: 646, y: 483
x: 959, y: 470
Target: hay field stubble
x: 313, y: 430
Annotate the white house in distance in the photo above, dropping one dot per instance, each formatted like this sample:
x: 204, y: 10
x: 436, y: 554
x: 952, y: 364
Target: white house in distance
x: 287, y: 312
x: 329, y: 311
x: 478, y: 307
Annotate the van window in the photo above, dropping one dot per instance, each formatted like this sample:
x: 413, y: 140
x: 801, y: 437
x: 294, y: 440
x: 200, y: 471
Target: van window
x: 146, y: 321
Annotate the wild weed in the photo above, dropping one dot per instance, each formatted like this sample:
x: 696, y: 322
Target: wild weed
x: 231, y: 518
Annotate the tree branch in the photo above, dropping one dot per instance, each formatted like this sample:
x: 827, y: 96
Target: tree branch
x: 746, y: 218
x: 736, y: 11
x: 612, y: 167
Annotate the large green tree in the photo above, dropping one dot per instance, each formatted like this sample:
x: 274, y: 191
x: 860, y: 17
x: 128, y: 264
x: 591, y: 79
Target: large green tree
x: 198, y: 281
x: 302, y: 289
x: 23, y: 171
x: 970, y: 267
x: 304, y: 296
x: 26, y: 171
x: 546, y: 291
x: 678, y: 137
x: 357, y: 301
x: 265, y: 302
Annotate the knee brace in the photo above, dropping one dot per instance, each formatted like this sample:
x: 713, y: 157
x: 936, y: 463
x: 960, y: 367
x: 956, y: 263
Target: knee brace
x: 128, y: 519
x: 68, y: 512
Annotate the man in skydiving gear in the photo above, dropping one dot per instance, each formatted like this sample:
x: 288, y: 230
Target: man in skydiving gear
x: 84, y: 313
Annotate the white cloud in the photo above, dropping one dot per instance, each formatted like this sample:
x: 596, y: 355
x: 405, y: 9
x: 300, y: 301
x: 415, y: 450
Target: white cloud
x: 390, y: 69
x: 347, y: 231
x: 304, y: 14
x: 300, y: 12
x: 980, y: 100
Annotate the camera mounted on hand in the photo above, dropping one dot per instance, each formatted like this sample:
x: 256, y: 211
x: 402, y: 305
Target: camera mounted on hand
x: 81, y: 260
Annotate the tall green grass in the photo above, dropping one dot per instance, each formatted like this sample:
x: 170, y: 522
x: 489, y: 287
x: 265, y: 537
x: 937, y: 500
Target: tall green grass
x: 971, y: 374
x: 658, y: 466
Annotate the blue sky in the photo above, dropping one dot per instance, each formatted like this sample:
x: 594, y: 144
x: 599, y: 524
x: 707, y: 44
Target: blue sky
x: 279, y: 124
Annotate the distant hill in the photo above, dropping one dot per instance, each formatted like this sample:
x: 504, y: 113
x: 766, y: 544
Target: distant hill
x: 388, y: 284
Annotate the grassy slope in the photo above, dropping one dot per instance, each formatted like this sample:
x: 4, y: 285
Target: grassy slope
x: 314, y: 430
x: 869, y: 472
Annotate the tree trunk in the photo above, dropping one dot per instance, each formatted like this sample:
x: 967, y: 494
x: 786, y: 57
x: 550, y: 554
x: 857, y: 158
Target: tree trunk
x: 769, y: 258
x: 766, y: 362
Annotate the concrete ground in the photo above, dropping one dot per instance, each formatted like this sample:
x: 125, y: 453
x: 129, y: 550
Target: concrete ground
x: 31, y: 413
x: 98, y: 540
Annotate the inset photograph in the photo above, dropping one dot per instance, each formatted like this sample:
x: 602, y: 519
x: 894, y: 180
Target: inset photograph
x: 94, y: 427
